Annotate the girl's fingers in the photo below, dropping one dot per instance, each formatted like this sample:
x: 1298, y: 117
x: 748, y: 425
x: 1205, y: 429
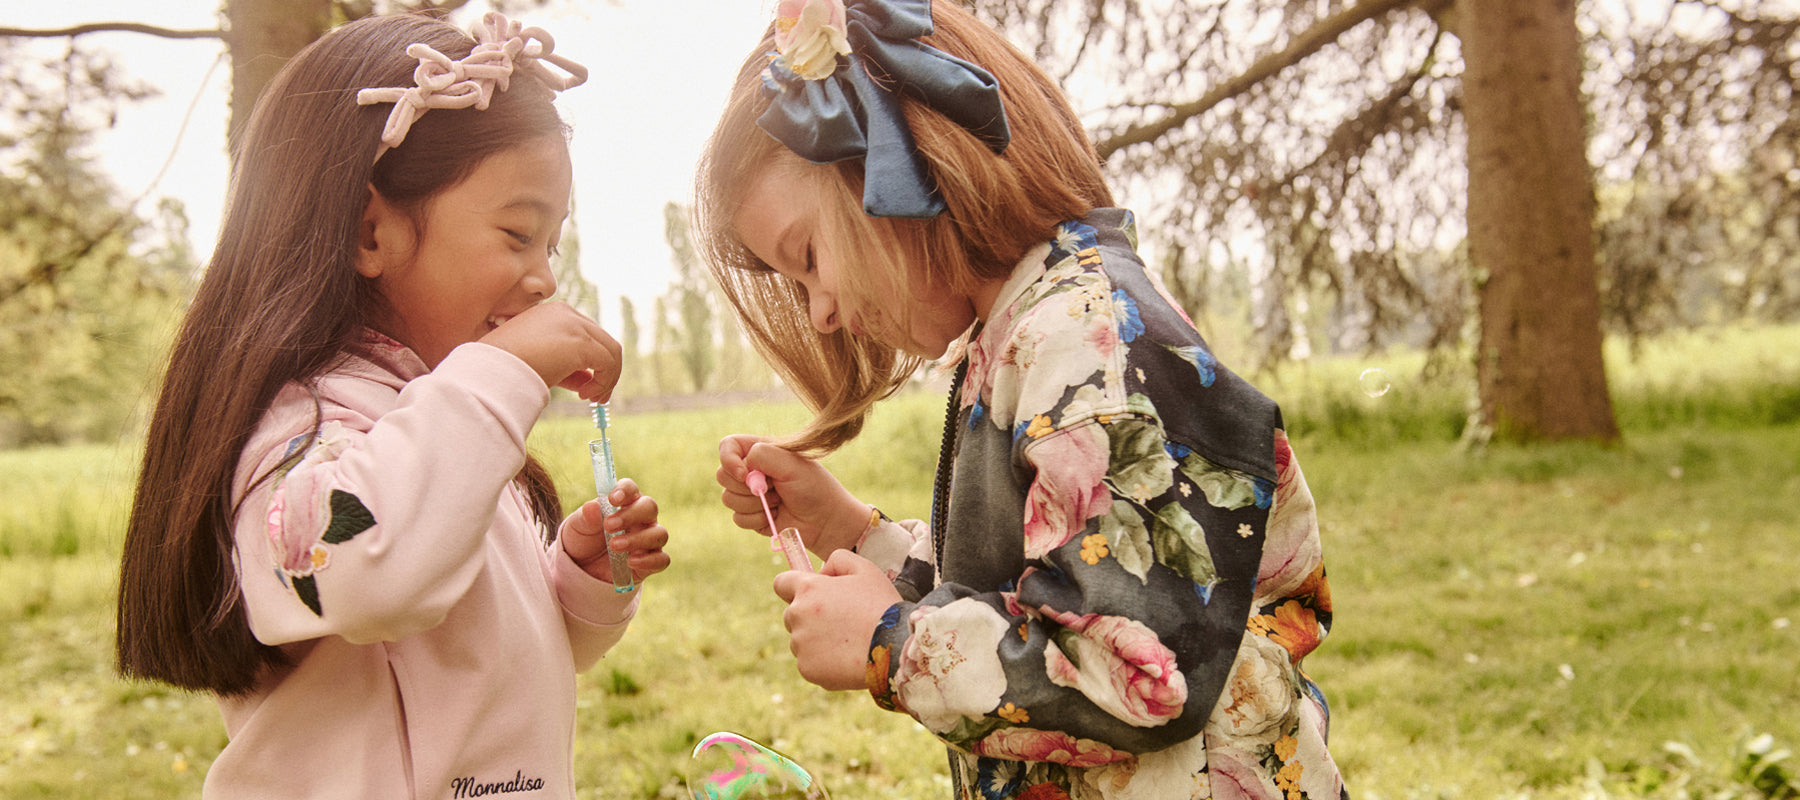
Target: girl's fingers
x: 640, y: 512
x: 624, y: 493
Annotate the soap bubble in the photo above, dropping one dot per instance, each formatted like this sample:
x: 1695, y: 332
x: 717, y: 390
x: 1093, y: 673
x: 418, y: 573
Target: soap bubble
x: 730, y: 766
x: 1374, y: 382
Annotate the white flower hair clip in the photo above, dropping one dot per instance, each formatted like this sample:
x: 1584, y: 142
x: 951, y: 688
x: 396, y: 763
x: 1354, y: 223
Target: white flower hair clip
x: 501, y: 46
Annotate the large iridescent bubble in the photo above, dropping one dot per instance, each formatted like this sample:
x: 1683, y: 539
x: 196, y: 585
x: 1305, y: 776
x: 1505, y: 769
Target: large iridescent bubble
x: 731, y: 766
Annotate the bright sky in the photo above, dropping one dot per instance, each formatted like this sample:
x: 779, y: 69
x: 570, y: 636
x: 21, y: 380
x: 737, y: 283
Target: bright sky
x: 658, y: 74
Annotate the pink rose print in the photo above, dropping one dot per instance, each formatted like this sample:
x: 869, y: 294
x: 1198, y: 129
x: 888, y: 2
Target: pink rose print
x: 294, y: 527
x: 1284, y: 467
x: 1235, y: 776
x: 1026, y: 744
x: 1291, y: 552
x: 1124, y: 669
x: 1070, y: 487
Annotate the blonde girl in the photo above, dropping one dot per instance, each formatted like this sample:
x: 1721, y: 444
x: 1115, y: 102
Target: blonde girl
x: 1121, y: 573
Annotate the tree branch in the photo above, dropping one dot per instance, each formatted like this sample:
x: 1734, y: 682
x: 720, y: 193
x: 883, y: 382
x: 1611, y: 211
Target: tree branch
x: 1308, y: 42
x: 103, y: 27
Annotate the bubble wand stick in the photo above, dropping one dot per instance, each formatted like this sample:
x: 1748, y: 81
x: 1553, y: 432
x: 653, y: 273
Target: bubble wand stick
x: 605, y: 478
x: 787, y: 540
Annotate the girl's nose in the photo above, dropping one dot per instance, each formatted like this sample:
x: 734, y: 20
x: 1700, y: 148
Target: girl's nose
x: 540, y: 282
x: 822, y: 307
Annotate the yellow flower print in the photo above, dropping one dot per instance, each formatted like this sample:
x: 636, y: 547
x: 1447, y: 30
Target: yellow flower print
x: 1288, y: 778
x: 1245, y: 531
x: 1013, y: 714
x: 1040, y: 425
x: 1088, y: 256
x: 320, y: 557
x: 1093, y: 548
x: 1261, y: 624
x: 1024, y: 632
x: 875, y: 677
x: 1296, y: 628
x: 1285, y: 747
x: 1187, y: 489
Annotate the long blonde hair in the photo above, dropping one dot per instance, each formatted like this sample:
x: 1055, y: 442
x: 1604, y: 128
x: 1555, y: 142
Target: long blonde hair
x: 999, y: 207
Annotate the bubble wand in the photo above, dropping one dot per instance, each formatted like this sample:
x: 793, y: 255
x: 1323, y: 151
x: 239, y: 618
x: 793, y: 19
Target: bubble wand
x: 605, y: 478
x: 787, y: 540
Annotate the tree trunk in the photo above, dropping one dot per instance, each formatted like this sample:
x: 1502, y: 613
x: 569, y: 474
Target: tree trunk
x: 1539, y: 369
x: 263, y: 35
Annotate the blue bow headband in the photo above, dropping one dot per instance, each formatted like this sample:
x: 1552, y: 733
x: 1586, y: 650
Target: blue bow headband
x: 835, y: 87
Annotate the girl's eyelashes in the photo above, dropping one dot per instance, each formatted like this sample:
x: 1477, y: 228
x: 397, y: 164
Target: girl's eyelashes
x: 525, y: 240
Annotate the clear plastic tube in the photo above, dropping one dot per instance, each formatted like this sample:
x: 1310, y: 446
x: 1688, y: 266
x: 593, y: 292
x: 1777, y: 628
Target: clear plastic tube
x: 605, y: 478
x: 794, y: 549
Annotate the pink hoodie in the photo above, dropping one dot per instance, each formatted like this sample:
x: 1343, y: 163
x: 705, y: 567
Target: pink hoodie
x: 435, y: 638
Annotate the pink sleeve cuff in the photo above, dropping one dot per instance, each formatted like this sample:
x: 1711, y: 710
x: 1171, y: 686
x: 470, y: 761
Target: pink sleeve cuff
x: 588, y: 598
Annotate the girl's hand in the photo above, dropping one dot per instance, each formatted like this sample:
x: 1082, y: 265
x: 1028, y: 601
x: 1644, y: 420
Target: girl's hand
x: 584, y: 535
x: 831, y: 616
x: 802, y: 494
x: 564, y: 347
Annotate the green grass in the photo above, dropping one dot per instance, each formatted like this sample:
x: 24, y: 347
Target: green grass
x: 1550, y: 622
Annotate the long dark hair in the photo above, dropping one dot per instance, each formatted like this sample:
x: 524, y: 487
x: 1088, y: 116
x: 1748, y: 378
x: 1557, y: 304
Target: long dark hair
x: 280, y: 302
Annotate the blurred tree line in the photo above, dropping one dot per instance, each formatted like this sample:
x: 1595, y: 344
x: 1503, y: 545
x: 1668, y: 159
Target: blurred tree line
x: 1496, y: 181
x: 1349, y: 175
x: 88, y: 286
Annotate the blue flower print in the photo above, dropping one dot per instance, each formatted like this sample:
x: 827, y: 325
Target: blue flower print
x: 889, y: 618
x: 1126, y: 309
x: 1265, y: 492
x: 1072, y: 238
x: 1177, y: 451
x: 999, y: 778
x: 977, y: 413
x: 1203, y: 362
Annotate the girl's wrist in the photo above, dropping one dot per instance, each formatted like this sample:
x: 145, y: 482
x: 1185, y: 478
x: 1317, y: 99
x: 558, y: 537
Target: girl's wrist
x: 851, y: 526
x: 875, y: 520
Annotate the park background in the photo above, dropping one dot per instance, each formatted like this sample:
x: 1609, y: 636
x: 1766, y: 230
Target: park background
x: 1523, y: 276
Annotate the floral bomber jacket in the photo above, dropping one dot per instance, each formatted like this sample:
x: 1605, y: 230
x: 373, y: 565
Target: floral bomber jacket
x: 1126, y: 570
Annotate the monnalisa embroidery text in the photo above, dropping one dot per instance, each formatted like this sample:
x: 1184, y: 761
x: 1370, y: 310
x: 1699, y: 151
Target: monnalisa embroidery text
x: 467, y: 787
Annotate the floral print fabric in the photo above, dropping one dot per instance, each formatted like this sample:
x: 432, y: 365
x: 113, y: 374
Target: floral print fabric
x: 1128, y: 572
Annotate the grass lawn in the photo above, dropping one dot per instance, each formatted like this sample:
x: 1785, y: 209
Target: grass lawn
x: 1546, y: 622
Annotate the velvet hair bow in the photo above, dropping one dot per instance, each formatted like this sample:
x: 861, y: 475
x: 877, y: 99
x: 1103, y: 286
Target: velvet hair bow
x: 835, y: 91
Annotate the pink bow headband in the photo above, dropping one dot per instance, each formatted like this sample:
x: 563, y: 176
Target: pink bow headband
x: 502, y: 45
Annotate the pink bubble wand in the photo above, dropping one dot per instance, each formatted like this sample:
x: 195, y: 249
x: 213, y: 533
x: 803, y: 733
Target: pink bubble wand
x: 787, y: 540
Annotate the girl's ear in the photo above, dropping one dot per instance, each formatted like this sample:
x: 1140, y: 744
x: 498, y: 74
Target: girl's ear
x: 383, y: 237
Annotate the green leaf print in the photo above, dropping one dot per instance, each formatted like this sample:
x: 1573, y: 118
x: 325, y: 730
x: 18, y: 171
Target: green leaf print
x: 1181, y: 544
x: 349, y: 517
x: 309, y: 593
x: 968, y: 731
x: 1141, y: 469
x: 1069, y: 642
x: 1224, y: 488
x: 1128, y: 538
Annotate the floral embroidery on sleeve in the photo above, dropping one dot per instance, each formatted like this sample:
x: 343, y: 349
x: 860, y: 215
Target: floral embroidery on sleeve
x: 305, y: 515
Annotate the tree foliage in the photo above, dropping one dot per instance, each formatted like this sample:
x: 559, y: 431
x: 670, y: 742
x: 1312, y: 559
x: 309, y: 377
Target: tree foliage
x: 693, y: 331
x: 1319, y: 148
x: 1699, y: 155
x: 87, y: 287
